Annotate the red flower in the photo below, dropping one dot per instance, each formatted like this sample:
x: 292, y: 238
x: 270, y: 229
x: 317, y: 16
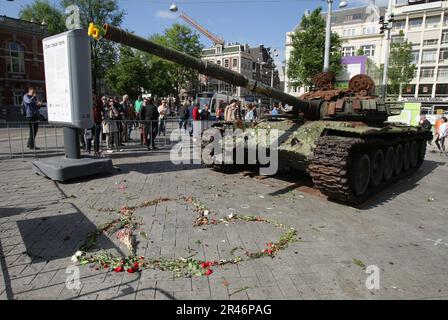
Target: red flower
x: 118, y: 269
x: 136, y: 265
x: 270, y: 251
x: 269, y: 244
x: 141, y: 258
x: 131, y: 270
x: 106, y: 266
x: 122, y: 261
x: 208, y: 272
x: 203, y: 265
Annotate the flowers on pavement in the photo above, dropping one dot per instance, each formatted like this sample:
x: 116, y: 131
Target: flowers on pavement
x: 126, y: 224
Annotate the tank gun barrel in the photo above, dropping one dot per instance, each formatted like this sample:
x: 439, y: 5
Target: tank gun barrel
x: 115, y: 34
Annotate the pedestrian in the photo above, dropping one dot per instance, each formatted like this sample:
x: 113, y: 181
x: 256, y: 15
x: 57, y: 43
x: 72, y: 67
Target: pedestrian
x: 110, y: 127
x: 98, y: 117
x: 163, y: 114
x: 183, y: 115
x: 424, y: 123
x: 205, y: 117
x: 125, y: 105
x: 231, y: 112
x: 274, y: 111
x: 442, y: 133
x: 190, y: 119
x: 31, y: 107
x: 119, y: 107
x: 219, y: 113
x: 150, y: 117
x: 250, y: 116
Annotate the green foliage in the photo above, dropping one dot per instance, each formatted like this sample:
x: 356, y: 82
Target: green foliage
x: 42, y: 10
x: 308, y: 46
x: 168, y: 77
x: 401, y: 70
x: 360, y: 52
x: 104, y: 53
x: 129, y: 74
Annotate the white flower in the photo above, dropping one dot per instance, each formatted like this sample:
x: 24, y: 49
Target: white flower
x: 206, y: 212
x: 230, y: 216
x: 76, y: 255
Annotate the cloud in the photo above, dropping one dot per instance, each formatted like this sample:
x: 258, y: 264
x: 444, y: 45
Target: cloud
x: 163, y: 14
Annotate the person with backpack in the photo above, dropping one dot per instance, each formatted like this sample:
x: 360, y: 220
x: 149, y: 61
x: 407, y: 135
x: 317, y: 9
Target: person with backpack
x: 30, y: 109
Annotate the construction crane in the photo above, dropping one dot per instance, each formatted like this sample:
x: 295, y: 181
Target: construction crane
x: 201, y: 29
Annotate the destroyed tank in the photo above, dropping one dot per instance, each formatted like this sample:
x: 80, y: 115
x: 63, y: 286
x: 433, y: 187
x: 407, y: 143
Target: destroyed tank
x: 340, y: 137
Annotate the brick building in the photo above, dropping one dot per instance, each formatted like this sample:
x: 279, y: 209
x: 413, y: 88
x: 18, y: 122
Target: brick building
x: 21, y: 63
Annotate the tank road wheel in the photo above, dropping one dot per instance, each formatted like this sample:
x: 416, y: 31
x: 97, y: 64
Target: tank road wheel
x: 376, y: 167
x: 389, y: 163
x: 422, y: 151
x: 406, y: 156
x: 360, y: 175
x: 414, y: 154
x: 398, y: 159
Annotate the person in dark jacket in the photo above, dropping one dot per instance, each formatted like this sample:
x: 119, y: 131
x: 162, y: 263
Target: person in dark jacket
x: 95, y: 131
x: 31, y: 107
x: 150, y: 117
x: 184, y: 114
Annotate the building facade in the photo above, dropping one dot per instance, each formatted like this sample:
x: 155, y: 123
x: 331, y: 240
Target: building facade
x: 425, y: 24
x: 21, y: 63
x: 252, y: 62
x: 360, y: 31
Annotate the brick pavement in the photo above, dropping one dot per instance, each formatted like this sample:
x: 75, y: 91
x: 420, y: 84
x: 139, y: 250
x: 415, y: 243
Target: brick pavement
x: 402, y: 231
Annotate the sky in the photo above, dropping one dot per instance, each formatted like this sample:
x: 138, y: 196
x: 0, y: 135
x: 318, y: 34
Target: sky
x: 245, y: 21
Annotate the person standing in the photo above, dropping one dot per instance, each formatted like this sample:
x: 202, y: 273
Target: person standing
x: 31, y: 107
x: 125, y: 105
x: 96, y: 129
x: 231, y: 112
x: 442, y: 133
x: 163, y: 114
x: 183, y: 115
x: 150, y: 117
x: 110, y: 127
x: 250, y: 115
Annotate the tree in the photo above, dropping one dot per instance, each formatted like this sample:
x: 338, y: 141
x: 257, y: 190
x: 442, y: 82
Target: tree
x: 169, y: 75
x: 308, y: 46
x: 42, y: 10
x: 401, y: 69
x: 129, y: 74
x: 103, y: 53
x: 360, y: 52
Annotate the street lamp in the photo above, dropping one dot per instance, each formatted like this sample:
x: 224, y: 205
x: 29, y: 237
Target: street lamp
x: 342, y: 4
x: 173, y: 7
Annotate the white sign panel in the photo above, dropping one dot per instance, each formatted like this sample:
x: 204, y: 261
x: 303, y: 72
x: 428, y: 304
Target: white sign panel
x: 57, y: 78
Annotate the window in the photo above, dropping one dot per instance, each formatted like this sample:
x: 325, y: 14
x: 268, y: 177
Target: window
x: 353, y: 17
x: 443, y: 57
x: 234, y: 63
x: 442, y: 89
x: 445, y: 19
x: 218, y: 62
x: 15, y: 59
x: 426, y: 73
x: 425, y: 89
x: 348, y: 51
x: 398, y: 25
x: 369, y: 30
x: 445, y: 36
x: 369, y: 50
x: 226, y: 63
x: 17, y: 97
x: 429, y: 56
x: 397, y: 39
x: 415, y: 56
x: 409, y: 89
x: 442, y: 74
x: 415, y: 23
x: 432, y: 22
x: 430, y: 42
x: 349, y: 32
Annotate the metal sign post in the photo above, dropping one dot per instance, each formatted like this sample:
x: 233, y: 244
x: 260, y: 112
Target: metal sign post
x: 69, y: 100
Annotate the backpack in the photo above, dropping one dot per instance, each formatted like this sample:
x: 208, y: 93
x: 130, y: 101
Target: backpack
x: 23, y: 109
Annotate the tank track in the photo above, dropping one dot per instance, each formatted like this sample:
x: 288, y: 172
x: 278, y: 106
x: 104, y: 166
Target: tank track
x: 333, y: 155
